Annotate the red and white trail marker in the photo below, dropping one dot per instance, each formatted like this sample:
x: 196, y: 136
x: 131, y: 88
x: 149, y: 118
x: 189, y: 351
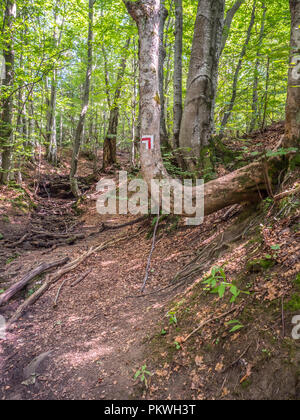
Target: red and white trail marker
x: 148, y: 141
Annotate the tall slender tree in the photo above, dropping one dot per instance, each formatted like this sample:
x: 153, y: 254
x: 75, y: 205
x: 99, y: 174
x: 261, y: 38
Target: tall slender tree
x: 254, y: 107
x: 85, y: 103
x: 110, y: 141
x: 177, y: 77
x: 6, y: 93
x: 237, y: 72
x: 162, y: 57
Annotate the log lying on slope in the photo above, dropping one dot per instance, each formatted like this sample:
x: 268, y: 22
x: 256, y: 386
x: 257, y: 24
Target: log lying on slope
x: 246, y: 184
x: 6, y: 296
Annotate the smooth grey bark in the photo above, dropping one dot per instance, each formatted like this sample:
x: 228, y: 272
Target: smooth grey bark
x: 292, y: 127
x: 197, y: 119
x: 177, y: 77
x: 237, y: 72
x: 161, y: 60
x: 6, y: 98
x: 146, y: 14
x: 134, y: 103
x: 254, y: 107
x: 85, y: 104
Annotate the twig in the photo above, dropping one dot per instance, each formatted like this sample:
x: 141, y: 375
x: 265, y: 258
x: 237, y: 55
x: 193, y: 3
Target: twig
x: 115, y: 227
x: 81, y: 278
x: 150, y: 255
x: 208, y: 321
x: 58, y: 292
x: 237, y: 360
x: 286, y: 194
x: 19, y: 242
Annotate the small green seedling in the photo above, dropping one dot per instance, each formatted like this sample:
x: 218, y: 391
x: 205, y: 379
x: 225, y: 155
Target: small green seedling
x: 142, y: 374
x: 172, y: 318
x: 177, y: 345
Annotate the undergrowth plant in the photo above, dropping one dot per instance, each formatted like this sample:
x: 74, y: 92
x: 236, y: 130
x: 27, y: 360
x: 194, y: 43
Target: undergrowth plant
x: 142, y: 375
x: 217, y: 283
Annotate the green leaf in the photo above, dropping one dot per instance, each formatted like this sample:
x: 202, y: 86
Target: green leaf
x: 221, y: 290
x: 137, y: 374
x: 236, y: 328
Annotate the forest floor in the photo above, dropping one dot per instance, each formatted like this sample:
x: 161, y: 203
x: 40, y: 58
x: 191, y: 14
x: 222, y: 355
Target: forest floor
x: 93, y: 342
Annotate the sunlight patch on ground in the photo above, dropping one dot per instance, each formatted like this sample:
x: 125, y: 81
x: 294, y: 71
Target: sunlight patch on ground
x: 76, y: 359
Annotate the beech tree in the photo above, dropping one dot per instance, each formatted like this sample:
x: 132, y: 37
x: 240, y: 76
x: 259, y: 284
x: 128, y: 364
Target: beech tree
x: 7, y: 97
x: 197, y: 119
x: 177, y: 111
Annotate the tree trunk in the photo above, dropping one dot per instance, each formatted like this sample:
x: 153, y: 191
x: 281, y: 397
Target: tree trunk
x: 161, y: 60
x: 110, y: 141
x: 51, y: 153
x: 237, y: 73
x: 266, y: 95
x: 197, y: 122
x: 256, y: 72
x: 6, y: 116
x: 85, y: 104
x: 177, y: 80
x: 292, y: 127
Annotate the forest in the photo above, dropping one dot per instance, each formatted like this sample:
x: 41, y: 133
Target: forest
x: 111, y: 289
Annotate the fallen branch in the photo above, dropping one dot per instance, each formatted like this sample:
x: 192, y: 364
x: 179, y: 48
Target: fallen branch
x: 284, y: 194
x: 19, y: 242
x: 81, y: 278
x: 55, y: 277
x: 15, y: 288
x: 58, y: 292
x: 114, y: 227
